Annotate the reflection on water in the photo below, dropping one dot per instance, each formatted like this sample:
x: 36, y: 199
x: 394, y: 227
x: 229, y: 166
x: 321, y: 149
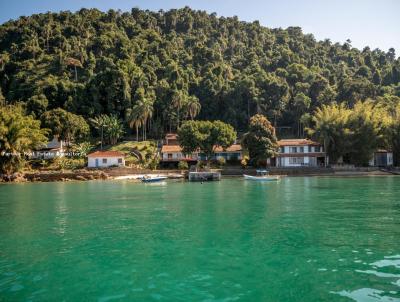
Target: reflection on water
x: 368, y: 295
x: 390, y: 294
x: 300, y: 239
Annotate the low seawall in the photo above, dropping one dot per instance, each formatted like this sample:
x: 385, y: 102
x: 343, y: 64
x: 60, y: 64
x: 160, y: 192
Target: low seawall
x: 309, y: 171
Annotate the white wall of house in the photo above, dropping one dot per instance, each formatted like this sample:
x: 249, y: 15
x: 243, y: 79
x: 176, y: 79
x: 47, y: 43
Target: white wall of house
x: 229, y: 155
x: 301, y: 161
x: 388, y: 155
x: 172, y: 155
x: 103, y: 162
x: 176, y: 156
x: 301, y: 149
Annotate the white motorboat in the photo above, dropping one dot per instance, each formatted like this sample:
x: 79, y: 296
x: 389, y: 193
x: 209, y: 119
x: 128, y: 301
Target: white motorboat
x: 153, y: 178
x: 262, y: 175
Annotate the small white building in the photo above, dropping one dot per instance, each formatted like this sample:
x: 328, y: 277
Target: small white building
x: 103, y: 159
x: 382, y: 158
x: 300, y: 153
x: 53, y: 148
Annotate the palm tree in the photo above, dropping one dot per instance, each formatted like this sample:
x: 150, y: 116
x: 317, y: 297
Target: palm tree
x: 134, y: 119
x: 114, y: 128
x: 193, y: 106
x: 147, y: 110
x: 99, y: 122
x: 76, y: 63
x: 141, y: 113
x: 178, y: 100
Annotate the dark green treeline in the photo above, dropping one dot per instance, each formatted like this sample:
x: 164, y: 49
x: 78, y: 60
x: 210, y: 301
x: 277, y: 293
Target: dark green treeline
x: 91, y: 62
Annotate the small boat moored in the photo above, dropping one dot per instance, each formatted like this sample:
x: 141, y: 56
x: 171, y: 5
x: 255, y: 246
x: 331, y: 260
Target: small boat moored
x: 262, y: 175
x: 152, y: 178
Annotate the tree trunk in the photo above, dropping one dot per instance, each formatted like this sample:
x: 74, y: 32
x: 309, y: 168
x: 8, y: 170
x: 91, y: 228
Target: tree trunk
x: 177, y: 127
x: 101, y: 138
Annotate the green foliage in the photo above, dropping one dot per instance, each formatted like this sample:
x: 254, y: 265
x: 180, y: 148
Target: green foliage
x: 394, y: 134
x: 110, y: 128
x: 65, y: 163
x: 114, y: 129
x: 205, y: 136
x: 244, y: 162
x: 163, y: 67
x: 153, y: 162
x: 37, y: 105
x: 82, y: 149
x: 221, y: 162
x: 330, y: 128
x: 65, y: 125
x: 261, y: 140
x: 19, y: 134
x: 368, y: 124
x: 183, y: 165
x: 140, y: 153
x: 351, y: 133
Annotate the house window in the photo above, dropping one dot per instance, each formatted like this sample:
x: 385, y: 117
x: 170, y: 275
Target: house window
x: 296, y: 160
x: 317, y: 149
x: 104, y: 160
x: 120, y: 160
x: 169, y: 155
x: 293, y: 150
x: 282, y: 149
x: 301, y: 149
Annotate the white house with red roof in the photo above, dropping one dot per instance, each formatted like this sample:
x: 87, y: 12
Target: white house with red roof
x: 300, y: 153
x: 104, y: 159
x: 171, y: 152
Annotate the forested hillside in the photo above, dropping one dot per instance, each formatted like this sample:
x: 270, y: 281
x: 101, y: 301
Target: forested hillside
x: 184, y: 64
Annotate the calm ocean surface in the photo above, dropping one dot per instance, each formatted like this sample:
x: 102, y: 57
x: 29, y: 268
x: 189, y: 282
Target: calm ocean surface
x: 302, y: 239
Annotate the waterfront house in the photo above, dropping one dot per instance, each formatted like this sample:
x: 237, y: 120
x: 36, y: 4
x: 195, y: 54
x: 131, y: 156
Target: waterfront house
x: 299, y: 153
x: 103, y: 159
x: 233, y: 153
x: 53, y: 149
x: 171, y: 139
x: 382, y: 158
x: 172, y: 153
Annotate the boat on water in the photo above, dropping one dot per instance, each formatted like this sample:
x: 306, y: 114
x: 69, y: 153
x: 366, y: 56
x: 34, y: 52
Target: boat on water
x: 262, y: 175
x: 153, y: 178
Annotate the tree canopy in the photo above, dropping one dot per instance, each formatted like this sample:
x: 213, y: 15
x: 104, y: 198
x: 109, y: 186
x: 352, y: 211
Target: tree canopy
x: 19, y: 134
x: 168, y: 66
x: 260, y: 140
x: 354, y: 134
x: 205, y: 136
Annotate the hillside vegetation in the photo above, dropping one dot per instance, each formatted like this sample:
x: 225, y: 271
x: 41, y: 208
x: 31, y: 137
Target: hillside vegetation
x: 183, y: 64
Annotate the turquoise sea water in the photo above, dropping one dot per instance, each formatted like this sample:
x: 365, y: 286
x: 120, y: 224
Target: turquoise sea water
x: 302, y: 239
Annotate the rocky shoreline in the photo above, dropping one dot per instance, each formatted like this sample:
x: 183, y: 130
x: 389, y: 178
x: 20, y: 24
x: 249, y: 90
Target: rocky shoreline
x: 125, y: 173
x: 54, y: 176
x: 84, y: 175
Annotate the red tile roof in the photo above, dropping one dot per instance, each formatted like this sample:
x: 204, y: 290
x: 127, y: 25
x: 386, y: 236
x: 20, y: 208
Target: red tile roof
x: 171, y: 135
x: 233, y: 148
x: 106, y: 154
x: 177, y: 149
x: 297, y: 142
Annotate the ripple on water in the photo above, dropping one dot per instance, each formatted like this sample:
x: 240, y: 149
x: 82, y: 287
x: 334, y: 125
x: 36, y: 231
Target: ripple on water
x: 367, y: 295
x: 110, y: 298
x: 371, y: 294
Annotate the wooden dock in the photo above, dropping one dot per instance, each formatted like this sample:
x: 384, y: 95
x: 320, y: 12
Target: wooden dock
x: 204, y: 176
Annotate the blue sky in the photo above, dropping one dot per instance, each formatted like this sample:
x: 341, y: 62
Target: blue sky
x: 375, y: 23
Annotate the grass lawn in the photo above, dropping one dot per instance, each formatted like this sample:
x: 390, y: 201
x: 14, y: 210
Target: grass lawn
x: 147, y: 149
